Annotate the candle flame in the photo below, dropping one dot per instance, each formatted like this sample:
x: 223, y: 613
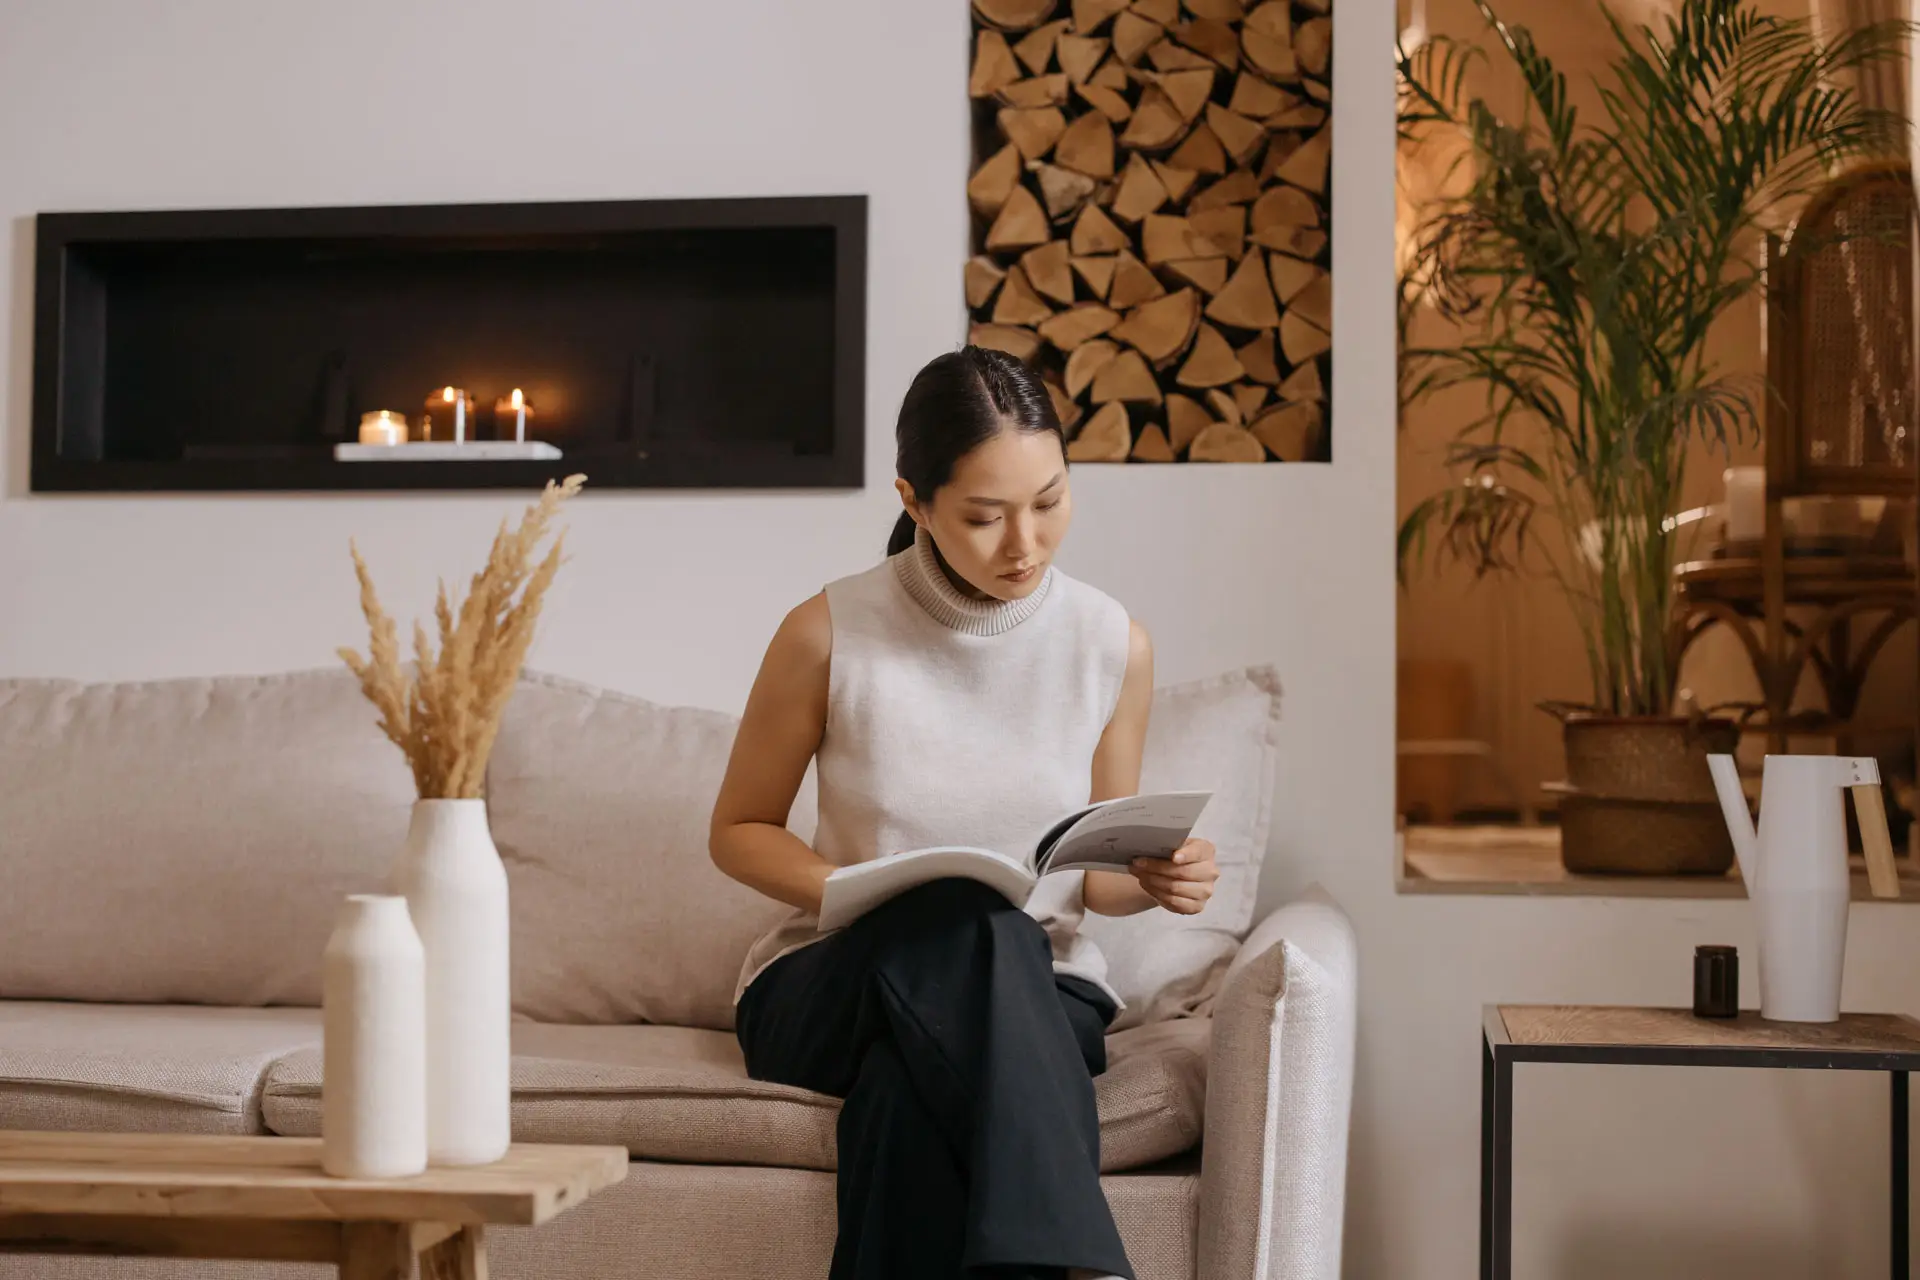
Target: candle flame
x: 518, y: 400
x: 447, y: 395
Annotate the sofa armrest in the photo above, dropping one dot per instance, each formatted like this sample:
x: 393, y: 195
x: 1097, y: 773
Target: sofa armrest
x: 1279, y: 1092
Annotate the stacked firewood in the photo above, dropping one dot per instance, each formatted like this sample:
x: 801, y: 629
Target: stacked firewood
x: 1150, y: 219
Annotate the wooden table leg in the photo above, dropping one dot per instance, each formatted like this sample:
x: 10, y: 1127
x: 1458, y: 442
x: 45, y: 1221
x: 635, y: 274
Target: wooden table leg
x: 376, y: 1251
x: 461, y: 1256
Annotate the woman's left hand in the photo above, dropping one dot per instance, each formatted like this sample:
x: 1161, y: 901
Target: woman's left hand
x: 1182, y: 883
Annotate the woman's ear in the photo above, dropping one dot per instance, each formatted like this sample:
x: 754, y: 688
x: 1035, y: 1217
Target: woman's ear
x: 911, y: 503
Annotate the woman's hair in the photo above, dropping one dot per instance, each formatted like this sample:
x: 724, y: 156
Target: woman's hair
x: 957, y: 403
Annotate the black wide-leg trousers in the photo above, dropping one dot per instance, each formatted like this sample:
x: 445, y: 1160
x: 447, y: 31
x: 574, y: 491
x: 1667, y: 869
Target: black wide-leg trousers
x: 968, y: 1140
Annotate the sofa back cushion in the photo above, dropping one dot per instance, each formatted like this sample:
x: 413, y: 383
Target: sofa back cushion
x: 187, y: 841
x: 600, y: 805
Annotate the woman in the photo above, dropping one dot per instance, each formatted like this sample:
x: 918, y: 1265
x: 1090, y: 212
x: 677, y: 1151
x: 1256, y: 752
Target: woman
x: 963, y: 691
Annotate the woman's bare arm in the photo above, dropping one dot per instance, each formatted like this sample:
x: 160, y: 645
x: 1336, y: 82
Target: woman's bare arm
x: 1116, y: 772
x: 785, y: 717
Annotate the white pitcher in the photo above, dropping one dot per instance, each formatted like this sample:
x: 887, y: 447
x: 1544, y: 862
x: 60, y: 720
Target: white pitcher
x: 1796, y: 871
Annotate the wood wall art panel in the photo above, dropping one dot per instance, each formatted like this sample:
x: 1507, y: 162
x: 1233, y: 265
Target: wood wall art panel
x: 1151, y: 220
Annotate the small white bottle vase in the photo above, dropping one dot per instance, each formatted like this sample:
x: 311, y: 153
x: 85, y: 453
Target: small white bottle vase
x: 456, y: 890
x: 373, y: 1099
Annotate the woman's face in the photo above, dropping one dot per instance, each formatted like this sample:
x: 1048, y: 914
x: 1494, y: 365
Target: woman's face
x: 1000, y: 518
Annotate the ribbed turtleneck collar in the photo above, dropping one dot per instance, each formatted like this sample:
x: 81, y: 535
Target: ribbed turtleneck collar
x: 921, y: 574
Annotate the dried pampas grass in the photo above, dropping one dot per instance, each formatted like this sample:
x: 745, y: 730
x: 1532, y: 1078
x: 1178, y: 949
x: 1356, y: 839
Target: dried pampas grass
x: 443, y: 714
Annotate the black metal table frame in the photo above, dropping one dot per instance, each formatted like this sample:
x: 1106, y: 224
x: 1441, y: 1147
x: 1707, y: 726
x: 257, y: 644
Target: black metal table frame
x: 1499, y: 1054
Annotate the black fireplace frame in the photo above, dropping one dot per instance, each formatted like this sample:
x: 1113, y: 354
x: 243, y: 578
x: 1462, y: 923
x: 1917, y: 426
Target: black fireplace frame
x: 64, y: 360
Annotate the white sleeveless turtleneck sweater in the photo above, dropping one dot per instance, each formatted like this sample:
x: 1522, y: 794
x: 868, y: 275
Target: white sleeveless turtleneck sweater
x: 958, y: 721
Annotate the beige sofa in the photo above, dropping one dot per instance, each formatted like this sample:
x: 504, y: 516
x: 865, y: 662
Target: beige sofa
x: 171, y: 854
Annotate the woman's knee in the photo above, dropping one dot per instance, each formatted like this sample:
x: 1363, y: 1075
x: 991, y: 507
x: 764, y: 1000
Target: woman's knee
x: 951, y: 897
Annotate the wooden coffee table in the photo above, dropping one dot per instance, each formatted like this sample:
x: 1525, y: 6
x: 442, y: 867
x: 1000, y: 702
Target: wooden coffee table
x: 266, y: 1199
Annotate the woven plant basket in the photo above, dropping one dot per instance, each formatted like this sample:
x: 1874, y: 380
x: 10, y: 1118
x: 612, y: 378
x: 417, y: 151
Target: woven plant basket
x: 1639, y: 799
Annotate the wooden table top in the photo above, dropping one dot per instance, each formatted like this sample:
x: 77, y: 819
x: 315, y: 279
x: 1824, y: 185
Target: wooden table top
x: 1624, y: 1027
x: 199, y: 1176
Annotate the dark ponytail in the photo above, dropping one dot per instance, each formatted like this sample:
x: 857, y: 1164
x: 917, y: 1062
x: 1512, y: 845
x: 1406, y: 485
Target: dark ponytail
x: 957, y: 403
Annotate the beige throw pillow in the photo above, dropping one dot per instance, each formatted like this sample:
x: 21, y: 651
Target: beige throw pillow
x: 600, y: 805
x: 1219, y: 734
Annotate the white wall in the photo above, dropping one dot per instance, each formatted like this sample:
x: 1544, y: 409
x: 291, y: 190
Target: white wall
x: 224, y: 102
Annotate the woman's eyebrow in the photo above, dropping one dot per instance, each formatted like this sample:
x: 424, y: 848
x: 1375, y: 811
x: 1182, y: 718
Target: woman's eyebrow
x: 1001, y: 502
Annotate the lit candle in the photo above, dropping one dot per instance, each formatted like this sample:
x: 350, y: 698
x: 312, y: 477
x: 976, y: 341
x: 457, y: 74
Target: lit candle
x: 445, y: 400
x: 515, y: 407
x: 383, y: 426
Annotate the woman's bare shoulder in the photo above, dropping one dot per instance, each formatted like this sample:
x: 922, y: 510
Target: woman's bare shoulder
x: 1139, y: 654
x: 805, y: 637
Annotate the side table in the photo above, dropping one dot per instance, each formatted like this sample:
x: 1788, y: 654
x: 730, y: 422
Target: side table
x: 1673, y: 1038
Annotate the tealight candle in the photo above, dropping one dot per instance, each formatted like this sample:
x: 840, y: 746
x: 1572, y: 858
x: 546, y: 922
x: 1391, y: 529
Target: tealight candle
x: 383, y: 426
x: 516, y: 408
x: 450, y: 401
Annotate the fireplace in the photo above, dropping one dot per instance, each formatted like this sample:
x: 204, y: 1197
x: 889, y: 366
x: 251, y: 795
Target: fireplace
x: 658, y: 343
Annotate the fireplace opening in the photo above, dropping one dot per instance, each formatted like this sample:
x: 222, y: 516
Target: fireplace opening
x: 712, y: 343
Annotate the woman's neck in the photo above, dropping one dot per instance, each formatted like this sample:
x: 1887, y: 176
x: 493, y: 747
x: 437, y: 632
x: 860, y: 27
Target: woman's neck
x: 958, y: 583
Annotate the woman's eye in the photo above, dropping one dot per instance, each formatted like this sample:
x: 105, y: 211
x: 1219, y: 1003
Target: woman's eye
x: 1047, y: 506
x: 983, y: 524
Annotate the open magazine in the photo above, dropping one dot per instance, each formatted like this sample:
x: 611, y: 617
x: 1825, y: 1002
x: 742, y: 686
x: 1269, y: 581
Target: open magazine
x: 1101, y: 837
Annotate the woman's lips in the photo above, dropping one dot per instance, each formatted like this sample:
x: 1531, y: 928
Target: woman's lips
x: 1020, y: 575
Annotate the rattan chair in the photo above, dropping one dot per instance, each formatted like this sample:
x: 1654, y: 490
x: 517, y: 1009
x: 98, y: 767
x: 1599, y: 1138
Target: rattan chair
x: 1839, y: 422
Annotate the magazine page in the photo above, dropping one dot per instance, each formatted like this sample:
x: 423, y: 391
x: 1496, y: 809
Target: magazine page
x: 853, y: 891
x: 1114, y: 833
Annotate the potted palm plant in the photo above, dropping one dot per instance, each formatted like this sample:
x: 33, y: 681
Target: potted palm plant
x: 1579, y: 261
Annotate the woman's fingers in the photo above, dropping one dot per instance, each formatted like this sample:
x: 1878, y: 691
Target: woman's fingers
x: 1199, y: 872
x: 1180, y: 888
x: 1178, y: 895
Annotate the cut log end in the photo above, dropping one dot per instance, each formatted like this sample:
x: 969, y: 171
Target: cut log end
x: 1094, y: 232
x: 995, y: 180
x: 1088, y: 15
x: 1104, y: 437
x: 1087, y: 360
x: 1086, y: 146
x: 1021, y: 344
x: 1211, y: 363
x: 1133, y: 283
x: 1126, y: 377
x: 1036, y: 50
x: 983, y: 278
x: 1152, y: 446
x: 1160, y: 329
x: 1048, y: 271
x: 1185, y: 420
x: 1014, y: 15
x: 1225, y: 442
x: 1018, y: 303
x: 994, y: 66
x: 1247, y: 300
x: 1021, y: 224
x: 1072, y: 328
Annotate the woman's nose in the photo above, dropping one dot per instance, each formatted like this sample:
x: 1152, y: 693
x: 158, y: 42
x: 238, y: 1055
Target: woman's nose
x: 1019, y: 540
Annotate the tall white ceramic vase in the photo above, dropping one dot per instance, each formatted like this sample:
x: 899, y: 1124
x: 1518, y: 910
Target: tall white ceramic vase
x: 456, y: 890
x: 373, y: 1101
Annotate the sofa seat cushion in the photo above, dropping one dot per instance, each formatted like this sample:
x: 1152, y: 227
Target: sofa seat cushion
x: 683, y: 1094
x: 142, y: 1068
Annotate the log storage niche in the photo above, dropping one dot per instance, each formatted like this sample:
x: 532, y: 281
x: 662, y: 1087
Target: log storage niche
x: 1150, y: 220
